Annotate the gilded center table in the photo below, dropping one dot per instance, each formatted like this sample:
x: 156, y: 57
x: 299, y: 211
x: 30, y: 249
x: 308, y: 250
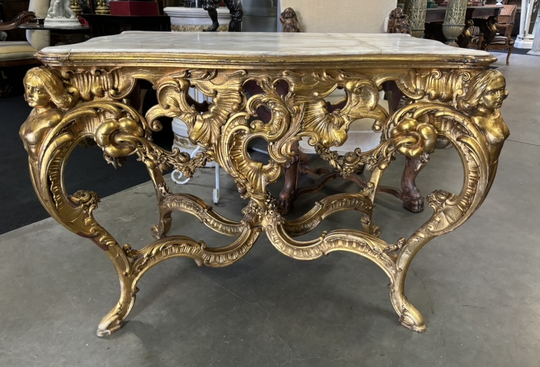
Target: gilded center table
x: 81, y: 95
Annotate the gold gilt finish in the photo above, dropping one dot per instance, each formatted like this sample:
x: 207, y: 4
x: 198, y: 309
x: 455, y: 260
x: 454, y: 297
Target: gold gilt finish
x: 449, y: 106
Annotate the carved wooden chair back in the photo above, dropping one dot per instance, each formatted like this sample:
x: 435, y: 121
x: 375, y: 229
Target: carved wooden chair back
x: 505, y: 24
x: 507, y: 14
x: 503, y: 40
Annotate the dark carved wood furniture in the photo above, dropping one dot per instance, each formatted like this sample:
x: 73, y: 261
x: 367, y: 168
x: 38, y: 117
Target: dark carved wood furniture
x: 11, y: 8
x: 408, y: 192
x: 103, y: 25
x: 483, y: 16
x: 60, y: 35
x: 502, y: 40
x: 437, y: 14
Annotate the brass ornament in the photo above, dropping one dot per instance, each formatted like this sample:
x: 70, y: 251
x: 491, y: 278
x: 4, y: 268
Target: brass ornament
x: 102, y: 7
x: 76, y: 7
x: 72, y: 105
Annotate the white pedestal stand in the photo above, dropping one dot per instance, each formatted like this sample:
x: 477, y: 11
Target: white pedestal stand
x: 62, y: 22
x: 182, y: 142
x: 524, y: 38
x: 196, y: 19
x: 193, y: 20
x: 536, y: 44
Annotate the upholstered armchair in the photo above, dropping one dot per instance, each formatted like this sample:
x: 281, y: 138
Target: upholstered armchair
x: 324, y: 17
x: 19, y: 53
x: 503, y: 40
x: 505, y: 24
x: 344, y: 17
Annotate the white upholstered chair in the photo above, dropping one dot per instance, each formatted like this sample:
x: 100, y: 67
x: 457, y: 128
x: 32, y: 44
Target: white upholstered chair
x: 340, y: 16
x: 337, y: 16
x: 36, y: 40
x: 17, y: 53
x: 343, y: 16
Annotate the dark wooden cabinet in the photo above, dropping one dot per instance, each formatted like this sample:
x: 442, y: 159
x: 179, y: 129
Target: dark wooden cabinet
x: 104, y: 25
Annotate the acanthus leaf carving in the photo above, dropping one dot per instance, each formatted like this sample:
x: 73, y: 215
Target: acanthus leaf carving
x: 460, y: 107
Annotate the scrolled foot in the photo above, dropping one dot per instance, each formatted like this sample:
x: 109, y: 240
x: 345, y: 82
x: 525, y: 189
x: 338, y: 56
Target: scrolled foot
x: 102, y: 333
x: 285, y: 205
x: 235, y: 26
x: 114, y: 320
x: 412, y: 319
x: 410, y: 194
x: 109, y: 325
x: 409, y: 316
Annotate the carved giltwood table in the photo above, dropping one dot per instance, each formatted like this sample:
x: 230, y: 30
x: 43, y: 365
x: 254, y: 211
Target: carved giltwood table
x: 81, y: 95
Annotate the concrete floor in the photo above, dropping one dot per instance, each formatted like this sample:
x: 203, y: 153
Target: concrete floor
x: 476, y: 287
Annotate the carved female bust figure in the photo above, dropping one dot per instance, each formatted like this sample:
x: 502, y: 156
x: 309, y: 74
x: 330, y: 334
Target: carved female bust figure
x: 45, y: 92
x: 483, y: 98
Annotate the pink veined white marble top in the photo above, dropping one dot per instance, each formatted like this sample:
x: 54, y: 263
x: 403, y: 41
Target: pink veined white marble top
x: 265, y: 44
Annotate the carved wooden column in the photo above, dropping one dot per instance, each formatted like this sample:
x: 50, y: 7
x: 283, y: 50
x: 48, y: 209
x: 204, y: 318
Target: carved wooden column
x: 416, y: 10
x: 454, y: 19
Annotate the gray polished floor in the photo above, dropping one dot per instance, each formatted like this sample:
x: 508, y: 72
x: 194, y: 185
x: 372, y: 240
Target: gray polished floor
x: 476, y: 287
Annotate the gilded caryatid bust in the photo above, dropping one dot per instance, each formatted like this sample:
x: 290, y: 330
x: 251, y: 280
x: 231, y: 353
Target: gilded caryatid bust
x: 482, y: 100
x: 45, y: 92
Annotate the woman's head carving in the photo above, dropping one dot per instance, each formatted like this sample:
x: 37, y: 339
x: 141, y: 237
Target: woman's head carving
x: 486, y: 90
x: 44, y: 87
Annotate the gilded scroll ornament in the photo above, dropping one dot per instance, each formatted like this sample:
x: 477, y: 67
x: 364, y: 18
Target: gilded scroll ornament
x: 458, y: 108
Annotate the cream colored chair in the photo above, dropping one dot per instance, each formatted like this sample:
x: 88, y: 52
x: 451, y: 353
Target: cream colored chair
x: 18, y: 53
x: 340, y: 16
x: 343, y: 16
